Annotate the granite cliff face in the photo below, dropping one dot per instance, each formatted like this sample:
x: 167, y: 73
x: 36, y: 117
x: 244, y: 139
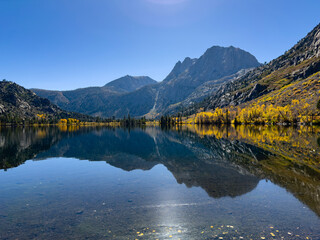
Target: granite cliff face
x: 203, y: 91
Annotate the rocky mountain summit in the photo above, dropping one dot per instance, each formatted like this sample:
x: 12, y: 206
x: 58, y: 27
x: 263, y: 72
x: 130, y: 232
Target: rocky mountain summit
x: 214, y: 65
x: 129, y: 83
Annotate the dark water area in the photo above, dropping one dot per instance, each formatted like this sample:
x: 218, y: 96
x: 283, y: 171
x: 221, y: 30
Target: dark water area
x: 185, y: 183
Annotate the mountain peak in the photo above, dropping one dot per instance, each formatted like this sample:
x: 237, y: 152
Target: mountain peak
x: 218, y: 62
x: 219, y: 49
x: 180, y: 67
x: 129, y: 83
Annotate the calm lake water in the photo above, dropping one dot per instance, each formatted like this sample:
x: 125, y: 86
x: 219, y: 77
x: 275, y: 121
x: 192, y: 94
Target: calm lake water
x: 189, y: 183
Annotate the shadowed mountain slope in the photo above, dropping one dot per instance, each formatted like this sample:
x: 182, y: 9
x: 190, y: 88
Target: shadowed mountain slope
x: 94, y: 100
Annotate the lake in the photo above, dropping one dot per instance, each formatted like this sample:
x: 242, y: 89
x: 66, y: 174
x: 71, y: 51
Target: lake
x: 189, y: 182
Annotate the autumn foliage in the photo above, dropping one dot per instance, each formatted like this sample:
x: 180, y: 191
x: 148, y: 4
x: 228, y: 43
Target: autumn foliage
x: 296, y: 112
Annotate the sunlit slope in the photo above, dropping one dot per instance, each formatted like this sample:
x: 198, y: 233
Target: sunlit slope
x: 292, y: 76
x: 282, y: 92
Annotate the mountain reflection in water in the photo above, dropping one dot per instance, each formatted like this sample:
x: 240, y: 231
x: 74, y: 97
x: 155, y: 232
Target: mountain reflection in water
x: 222, y: 161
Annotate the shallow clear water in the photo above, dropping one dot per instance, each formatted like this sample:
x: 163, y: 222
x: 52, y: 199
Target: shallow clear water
x: 152, y: 184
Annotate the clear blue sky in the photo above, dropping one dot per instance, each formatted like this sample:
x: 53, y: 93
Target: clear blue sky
x: 66, y: 44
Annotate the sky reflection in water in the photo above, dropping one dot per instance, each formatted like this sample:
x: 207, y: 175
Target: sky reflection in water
x: 157, y: 184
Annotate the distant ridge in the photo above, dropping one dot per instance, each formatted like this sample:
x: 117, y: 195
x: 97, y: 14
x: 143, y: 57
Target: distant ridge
x: 92, y: 100
x: 129, y: 83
